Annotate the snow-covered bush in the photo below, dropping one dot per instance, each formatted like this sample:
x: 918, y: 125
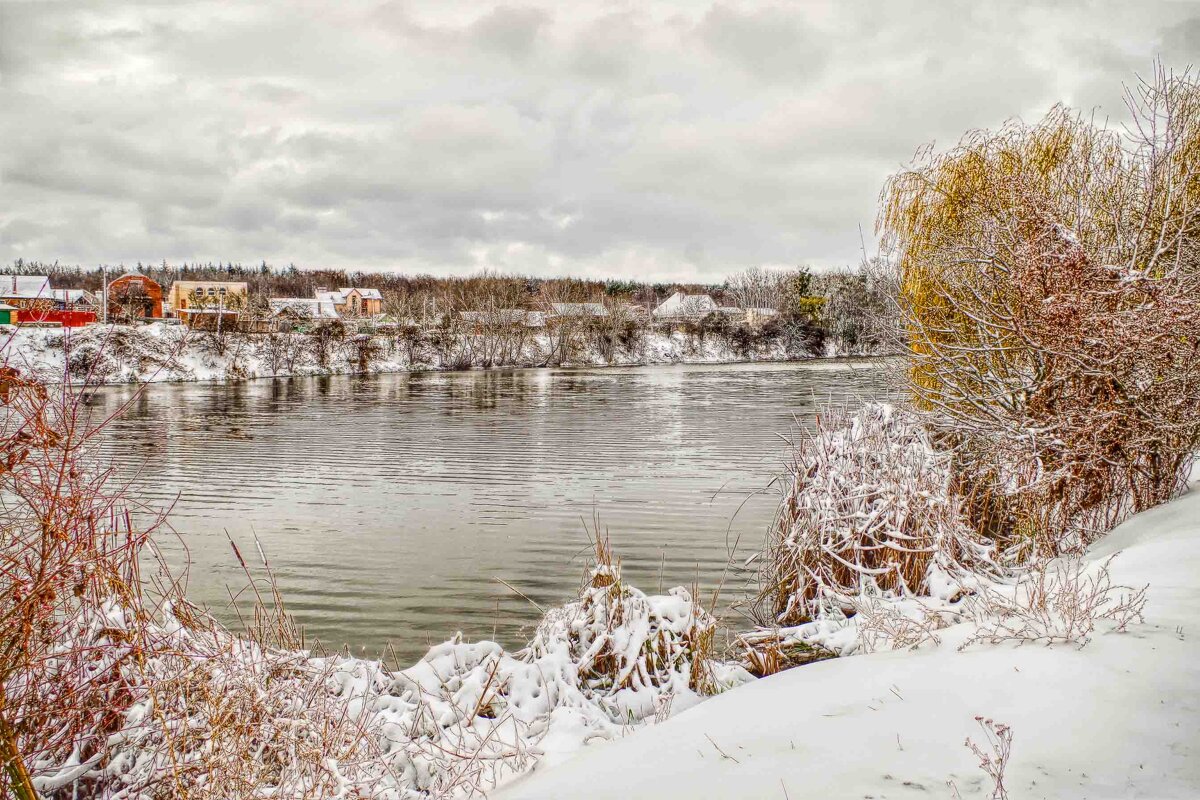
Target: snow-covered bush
x: 629, y: 650
x: 868, y: 513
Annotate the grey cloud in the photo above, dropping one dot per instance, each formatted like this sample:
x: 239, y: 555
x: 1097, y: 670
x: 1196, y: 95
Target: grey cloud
x: 659, y: 139
x: 511, y: 31
x: 773, y: 43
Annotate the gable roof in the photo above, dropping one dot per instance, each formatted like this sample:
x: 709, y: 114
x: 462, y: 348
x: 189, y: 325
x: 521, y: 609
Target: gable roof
x: 505, y: 316
x: 305, y: 307
x: 26, y: 287
x: 74, y: 296
x: 579, y: 309
x: 365, y: 294
x: 686, y: 305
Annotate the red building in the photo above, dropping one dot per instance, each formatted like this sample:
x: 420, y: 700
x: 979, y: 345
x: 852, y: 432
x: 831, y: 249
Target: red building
x: 133, y: 297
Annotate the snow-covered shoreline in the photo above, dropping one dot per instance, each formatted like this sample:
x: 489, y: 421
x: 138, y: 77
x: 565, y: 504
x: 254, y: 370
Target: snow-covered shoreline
x: 1114, y: 718
x: 164, y: 353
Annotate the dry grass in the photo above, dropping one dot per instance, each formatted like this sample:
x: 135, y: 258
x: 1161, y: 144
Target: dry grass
x: 1061, y: 600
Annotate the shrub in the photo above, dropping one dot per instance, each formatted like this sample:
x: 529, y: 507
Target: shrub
x: 868, y: 512
x: 1049, y: 283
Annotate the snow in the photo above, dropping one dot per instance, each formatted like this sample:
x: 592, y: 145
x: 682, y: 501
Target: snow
x: 1117, y: 717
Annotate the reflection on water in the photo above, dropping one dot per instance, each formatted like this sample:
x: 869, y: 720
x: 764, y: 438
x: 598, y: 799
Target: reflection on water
x: 389, y: 505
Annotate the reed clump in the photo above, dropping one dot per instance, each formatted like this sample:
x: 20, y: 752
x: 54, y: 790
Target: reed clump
x: 868, y: 512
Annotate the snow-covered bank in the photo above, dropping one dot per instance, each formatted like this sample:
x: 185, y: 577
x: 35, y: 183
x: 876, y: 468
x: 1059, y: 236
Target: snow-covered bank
x: 1116, y: 718
x: 160, y: 352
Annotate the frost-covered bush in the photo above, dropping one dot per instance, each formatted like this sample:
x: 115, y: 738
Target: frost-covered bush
x: 868, y: 513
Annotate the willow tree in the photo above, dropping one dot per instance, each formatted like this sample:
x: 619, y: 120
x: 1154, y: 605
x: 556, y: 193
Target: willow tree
x: 1048, y: 281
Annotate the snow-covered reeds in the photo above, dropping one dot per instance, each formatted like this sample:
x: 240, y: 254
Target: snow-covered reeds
x: 69, y: 545
x: 868, y: 512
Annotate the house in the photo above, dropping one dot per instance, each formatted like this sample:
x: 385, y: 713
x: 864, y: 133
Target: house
x: 133, y: 296
x: 195, y: 300
x: 578, y: 310
x: 750, y: 316
x: 757, y: 316
x: 503, y: 318
x: 288, y: 313
x: 73, y: 308
x: 26, y: 291
x: 353, y: 302
x: 75, y: 300
x: 41, y: 305
x: 680, y: 306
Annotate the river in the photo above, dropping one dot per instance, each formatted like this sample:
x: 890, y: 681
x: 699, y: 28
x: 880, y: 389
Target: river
x: 392, y: 507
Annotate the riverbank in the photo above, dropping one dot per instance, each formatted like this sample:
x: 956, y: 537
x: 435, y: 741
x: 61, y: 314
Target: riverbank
x: 170, y: 353
x: 1115, y: 718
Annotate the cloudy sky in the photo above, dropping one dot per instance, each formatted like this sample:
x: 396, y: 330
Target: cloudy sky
x: 637, y: 139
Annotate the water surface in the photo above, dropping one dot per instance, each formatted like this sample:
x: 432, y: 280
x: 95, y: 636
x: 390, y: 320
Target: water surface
x: 391, y: 506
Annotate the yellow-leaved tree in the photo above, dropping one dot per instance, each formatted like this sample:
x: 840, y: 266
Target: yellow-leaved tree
x: 1048, y: 284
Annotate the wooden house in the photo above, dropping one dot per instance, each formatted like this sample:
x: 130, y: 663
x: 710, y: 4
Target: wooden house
x: 26, y: 292
x: 353, y: 302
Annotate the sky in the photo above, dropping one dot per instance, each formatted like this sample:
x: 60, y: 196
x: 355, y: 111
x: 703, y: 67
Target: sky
x: 643, y: 140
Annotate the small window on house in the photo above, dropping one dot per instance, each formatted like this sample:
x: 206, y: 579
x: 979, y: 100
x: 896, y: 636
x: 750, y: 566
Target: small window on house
x: 198, y: 292
x: 212, y: 292
x: 222, y: 290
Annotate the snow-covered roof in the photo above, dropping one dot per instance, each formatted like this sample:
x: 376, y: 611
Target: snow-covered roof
x: 26, y: 287
x: 7, y: 307
x: 74, y: 296
x: 579, y: 309
x: 365, y: 294
x: 686, y: 305
x: 312, y: 308
x: 131, y: 274
x: 505, y: 316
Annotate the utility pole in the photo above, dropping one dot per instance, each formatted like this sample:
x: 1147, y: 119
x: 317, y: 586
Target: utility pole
x: 104, y: 293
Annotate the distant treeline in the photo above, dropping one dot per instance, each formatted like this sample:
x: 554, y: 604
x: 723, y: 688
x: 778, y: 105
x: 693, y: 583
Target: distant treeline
x: 292, y: 281
x: 853, y: 307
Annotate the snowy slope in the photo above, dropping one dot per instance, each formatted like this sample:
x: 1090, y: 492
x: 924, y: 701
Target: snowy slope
x: 160, y: 352
x: 1117, y: 718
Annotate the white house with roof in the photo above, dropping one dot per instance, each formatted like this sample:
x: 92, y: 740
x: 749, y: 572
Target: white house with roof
x: 285, y: 311
x: 685, y: 306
